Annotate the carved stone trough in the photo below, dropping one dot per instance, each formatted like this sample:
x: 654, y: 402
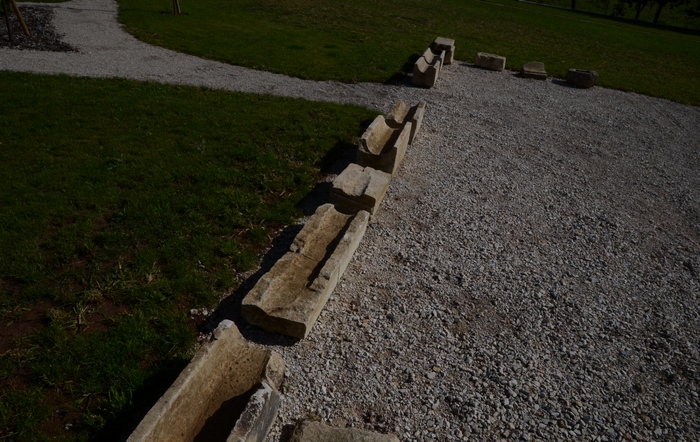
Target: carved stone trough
x: 382, y: 147
x: 401, y: 113
x: 427, y: 68
x: 228, y: 392
x: 359, y: 188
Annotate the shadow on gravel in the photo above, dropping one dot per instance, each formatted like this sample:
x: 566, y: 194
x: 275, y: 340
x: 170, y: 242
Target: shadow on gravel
x: 560, y: 82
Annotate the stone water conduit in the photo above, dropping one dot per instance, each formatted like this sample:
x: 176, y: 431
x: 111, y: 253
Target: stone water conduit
x: 230, y: 391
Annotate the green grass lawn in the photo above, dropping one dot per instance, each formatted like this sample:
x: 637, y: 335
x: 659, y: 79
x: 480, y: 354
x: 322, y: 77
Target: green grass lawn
x: 368, y: 40
x: 124, y: 205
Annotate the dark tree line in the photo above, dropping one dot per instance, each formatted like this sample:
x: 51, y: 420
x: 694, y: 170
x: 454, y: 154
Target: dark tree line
x: 640, y: 5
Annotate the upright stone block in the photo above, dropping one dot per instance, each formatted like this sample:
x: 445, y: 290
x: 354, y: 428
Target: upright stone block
x: 447, y: 45
x: 427, y: 68
x: 490, y: 61
x: 582, y: 78
x: 401, y: 113
x: 289, y: 298
x: 359, y: 188
x: 225, y: 374
x: 534, y: 69
x: 382, y: 147
x: 310, y: 431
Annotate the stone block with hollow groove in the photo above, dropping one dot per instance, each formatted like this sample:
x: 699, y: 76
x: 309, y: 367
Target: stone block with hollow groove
x: 427, y: 68
x: 289, y: 298
x: 535, y: 70
x: 447, y: 45
x: 382, y: 147
x: 492, y: 62
x: 359, y: 188
x: 400, y: 113
x: 229, y: 391
x: 311, y: 431
x: 582, y: 78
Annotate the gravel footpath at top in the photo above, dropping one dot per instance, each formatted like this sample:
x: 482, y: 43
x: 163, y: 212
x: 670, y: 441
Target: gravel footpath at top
x: 533, y: 272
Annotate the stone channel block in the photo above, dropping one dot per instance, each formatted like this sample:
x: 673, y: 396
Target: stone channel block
x: 582, y: 78
x: 427, y: 68
x: 447, y: 45
x: 359, y: 188
x: 289, y: 298
x: 229, y: 391
x: 383, y: 147
x: 401, y: 113
x: 310, y: 431
x: 490, y: 61
x: 534, y: 69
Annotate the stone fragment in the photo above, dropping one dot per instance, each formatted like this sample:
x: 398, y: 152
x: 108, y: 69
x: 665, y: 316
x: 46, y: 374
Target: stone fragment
x: 397, y: 114
x: 534, y: 69
x: 382, y: 147
x: 582, y: 78
x: 401, y: 113
x: 415, y: 116
x: 490, y: 61
x: 310, y: 431
x: 359, y: 188
x: 289, y: 298
x: 427, y: 68
x: 225, y: 375
x: 447, y: 45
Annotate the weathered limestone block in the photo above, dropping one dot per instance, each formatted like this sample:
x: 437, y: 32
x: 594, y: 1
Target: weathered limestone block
x: 382, y: 147
x: 359, y: 188
x: 310, y: 431
x: 490, y: 61
x: 401, y: 113
x: 220, y: 379
x: 447, y: 45
x: 534, y: 69
x: 582, y: 78
x: 289, y: 298
x: 427, y: 68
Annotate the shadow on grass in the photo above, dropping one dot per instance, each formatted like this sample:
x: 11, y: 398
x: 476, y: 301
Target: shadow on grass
x: 402, y: 78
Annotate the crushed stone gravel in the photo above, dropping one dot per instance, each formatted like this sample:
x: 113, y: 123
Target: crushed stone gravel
x: 533, y: 272
x: 43, y: 35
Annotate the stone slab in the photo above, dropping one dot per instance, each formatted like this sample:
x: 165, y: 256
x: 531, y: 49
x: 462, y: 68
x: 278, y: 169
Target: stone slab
x: 492, y: 62
x: 222, y: 370
x: 582, y: 78
x: 447, y: 45
x: 289, y: 298
x: 397, y: 114
x: 427, y: 70
x: 383, y: 148
x: 258, y: 416
x: 534, y: 69
x: 359, y: 188
x: 310, y: 431
x: 415, y: 116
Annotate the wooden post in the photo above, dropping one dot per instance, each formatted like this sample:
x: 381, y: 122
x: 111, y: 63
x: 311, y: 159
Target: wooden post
x: 7, y: 20
x: 19, y: 16
x: 176, y: 7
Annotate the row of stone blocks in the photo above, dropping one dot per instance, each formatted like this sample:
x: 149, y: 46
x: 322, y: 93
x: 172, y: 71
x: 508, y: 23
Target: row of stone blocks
x: 535, y: 70
x: 427, y: 68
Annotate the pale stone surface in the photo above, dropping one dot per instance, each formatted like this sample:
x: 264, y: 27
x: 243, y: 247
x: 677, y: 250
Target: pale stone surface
x: 397, y: 114
x: 401, y: 112
x: 447, y: 45
x: 289, y: 298
x: 582, y: 78
x: 415, y: 116
x: 258, y: 415
x: 223, y: 369
x: 359, y: 188
x: 311, y: 431
x: 490, y: 61
x: 382, y: 147
x: 427, y: 68
x: 534, y: 69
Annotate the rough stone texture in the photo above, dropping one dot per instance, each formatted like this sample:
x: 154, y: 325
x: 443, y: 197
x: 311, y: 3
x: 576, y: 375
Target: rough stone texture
x: 223, y: 369
x: 535, y: 70
x: 310, y: 431
x: 582, y: 78
x: 447, y: 45
x: 289, y: 298
x: 359, y: 188
x: 397, y: 114
x: 258, y: 415
x: 382, y: 147
x: 415, y: 116
x: 490, y: 61
x: 427, y: 69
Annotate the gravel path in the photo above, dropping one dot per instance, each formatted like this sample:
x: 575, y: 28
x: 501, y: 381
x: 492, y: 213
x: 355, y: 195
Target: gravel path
x: 533, y: 272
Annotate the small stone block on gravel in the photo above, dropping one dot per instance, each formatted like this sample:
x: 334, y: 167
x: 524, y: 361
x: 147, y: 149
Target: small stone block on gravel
x: 582, y: 78
x: 311, y: 431
x: 490, y: 61
x: 427, y: 69
x: 382, y: 147
x: 223, y: 370
x: 359, y: 188
x: 400, y: 113
x: 289, y: 298
x: 447, y: 45
x: 534, y: 69
x: 415, y: 116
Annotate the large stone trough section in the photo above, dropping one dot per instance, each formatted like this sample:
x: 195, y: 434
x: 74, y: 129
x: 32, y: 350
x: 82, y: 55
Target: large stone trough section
x: 289, y: 298
x: 225, y: 374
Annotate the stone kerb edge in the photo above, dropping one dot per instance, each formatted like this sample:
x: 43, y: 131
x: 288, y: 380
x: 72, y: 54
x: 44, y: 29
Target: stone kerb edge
x: 206, y: 382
